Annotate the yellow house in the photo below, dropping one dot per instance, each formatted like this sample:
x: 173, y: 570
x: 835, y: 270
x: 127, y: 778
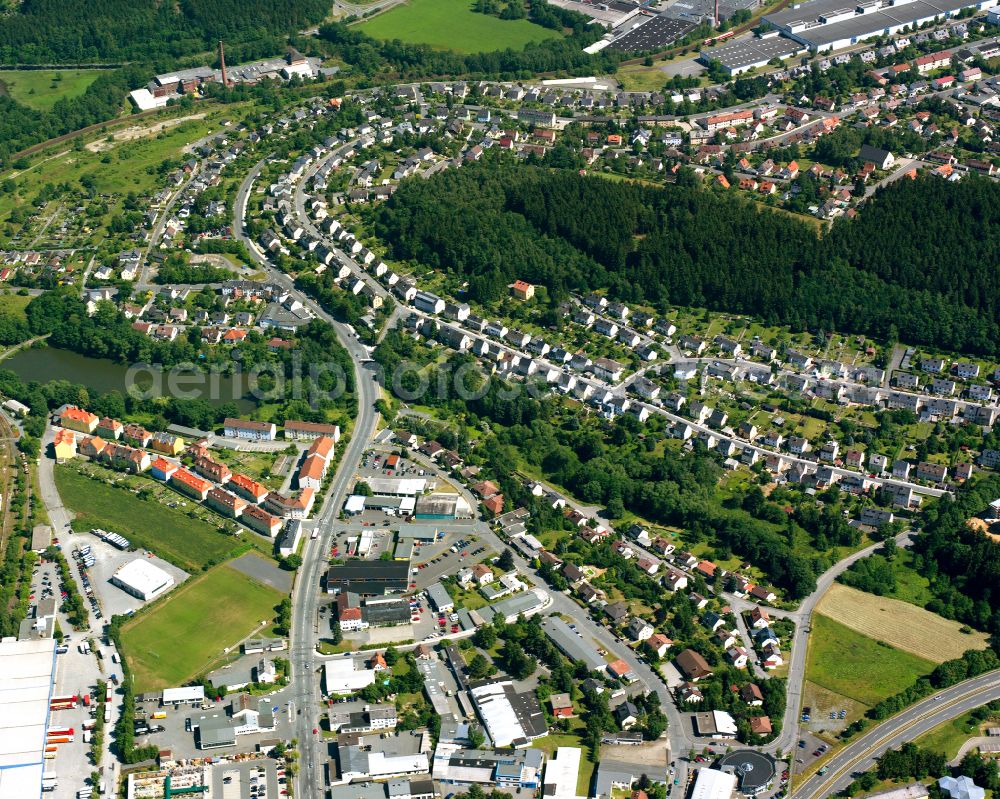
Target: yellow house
x: 64, y: 446
x: 73, y: 418
x: 167, y: 444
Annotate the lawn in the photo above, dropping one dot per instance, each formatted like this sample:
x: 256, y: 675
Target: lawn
x: 169, y: 532
x: 860, y: 668
x: 43, y: 88
x: 453, y: 25
x: 950, y: 736
x: 900, y: 624
x: 642, y: 78
x: 183, y: 636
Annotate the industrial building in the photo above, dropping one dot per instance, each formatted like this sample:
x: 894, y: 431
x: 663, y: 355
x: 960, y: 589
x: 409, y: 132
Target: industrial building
x: 742, y: 55
x: 391, y: 505
x: 397, y: 486
x: 440, y: 506
x: 384, y: 756
x: 424, y: 533
x: 561, y: 773
x: 368, y: 577
x: 572, y: 644
x: 142, y: 579
x: 439, y: 597
x: 713, y: 784
x: 526, y: 602
x: 27, y: 668
x: 655, y: 34
x: 185, y: 695
x: 511, y: 718
x: 823, y: 25
x: 505, y: 769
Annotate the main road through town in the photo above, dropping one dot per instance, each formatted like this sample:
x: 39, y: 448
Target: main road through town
x: 305, y: 596
x: 860, y: 756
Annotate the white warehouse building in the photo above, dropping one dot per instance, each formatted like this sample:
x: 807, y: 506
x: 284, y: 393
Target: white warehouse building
x: 142, y: 579
x: 823, y: 25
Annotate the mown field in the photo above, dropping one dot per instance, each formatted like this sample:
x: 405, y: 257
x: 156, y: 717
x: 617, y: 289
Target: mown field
x: 853, y: 665
x: 900, y: 624
x: 184, y: 635
x: 453, y: 25
x: 43, y: 88
x: 169, y: 532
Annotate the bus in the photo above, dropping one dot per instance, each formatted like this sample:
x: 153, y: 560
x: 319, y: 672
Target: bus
x: 716, y: 39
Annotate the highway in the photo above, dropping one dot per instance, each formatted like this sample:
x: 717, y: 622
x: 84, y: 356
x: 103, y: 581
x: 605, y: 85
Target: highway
x: 860, y: 755
x: 305, y: 596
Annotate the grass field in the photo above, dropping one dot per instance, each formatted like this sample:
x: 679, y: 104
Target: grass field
x: 911, y: 586
x: 900, y: 624
x: 453, y: 25
x: 950, y: 736
x: 43, y: 88
x: 186, y: 634
x: 14, y: 304
x: 850, y: 664
x: 169, y: 532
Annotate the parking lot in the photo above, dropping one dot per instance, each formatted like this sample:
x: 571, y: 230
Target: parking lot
x: 182, y: 742
x: 810, y: 747
x: 439, y: 561
x: 110, y: 598
x: 251, y: 779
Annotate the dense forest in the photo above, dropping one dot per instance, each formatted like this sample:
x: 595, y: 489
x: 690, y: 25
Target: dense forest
x: 915, y: 264
x: 79, y: 31
x: 962, y: 564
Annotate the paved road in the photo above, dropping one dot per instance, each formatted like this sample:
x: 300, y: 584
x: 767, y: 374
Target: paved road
x: 143, y: 283
x: 860, y: 755
x: 902, y: 167
x: 305, y: 598
x: 802, y: 617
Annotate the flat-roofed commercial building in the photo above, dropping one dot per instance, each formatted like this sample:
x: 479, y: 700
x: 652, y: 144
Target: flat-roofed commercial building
x: 27, y: 668
x: 142, y: 579
x: 368, y: 577
x: 745, y: 54
x: 834, y: 24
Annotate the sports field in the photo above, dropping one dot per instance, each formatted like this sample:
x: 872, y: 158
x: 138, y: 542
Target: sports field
x: 900, y: 624
x: 43, y: 88
x: 169, y: 532
x: 184, y: 635
x: 453, y: 25
x: 850, y: 664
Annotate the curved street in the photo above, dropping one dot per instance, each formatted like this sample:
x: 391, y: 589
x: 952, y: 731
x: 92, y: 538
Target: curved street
x: 305, y: 596
x: 860, y: 755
